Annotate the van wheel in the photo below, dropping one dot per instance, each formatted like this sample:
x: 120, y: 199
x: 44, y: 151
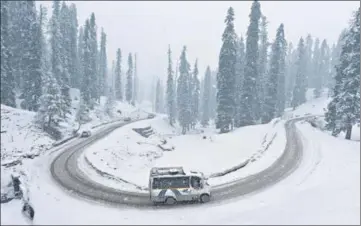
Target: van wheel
x: 205, y: 198
x: 170, y: 201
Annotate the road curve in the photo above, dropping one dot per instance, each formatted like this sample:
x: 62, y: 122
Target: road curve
x: 64, y: 169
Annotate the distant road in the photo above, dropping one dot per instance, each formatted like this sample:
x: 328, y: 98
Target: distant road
x: 66, y: 172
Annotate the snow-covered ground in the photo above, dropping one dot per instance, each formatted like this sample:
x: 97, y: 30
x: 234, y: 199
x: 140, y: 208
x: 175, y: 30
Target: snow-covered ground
x: 325, y: 189
x: 127, y: 155
x: 22, y: 138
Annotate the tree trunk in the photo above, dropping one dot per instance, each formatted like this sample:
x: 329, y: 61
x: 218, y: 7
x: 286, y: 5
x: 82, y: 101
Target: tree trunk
x: 348, y: 132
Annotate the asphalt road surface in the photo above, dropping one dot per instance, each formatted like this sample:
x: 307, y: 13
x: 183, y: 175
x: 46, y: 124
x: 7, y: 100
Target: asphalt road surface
x: 65, y: 171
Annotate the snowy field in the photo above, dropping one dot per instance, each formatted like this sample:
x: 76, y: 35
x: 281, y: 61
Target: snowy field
x: 127, y: 155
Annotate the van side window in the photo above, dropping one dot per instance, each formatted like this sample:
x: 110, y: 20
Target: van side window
x: 196, y: 182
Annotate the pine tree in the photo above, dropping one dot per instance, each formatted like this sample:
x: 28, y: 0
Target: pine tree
x: 103, y: 63
x: 344, y: 109
x: 322, y: 69
x: 170, y: 90
x: 309, y: 58
x: 275, y: 84
x: 129, y: 87
x: 335, y: 58
x: 299, y: 91
x: 183, y: 90
x: 315, y: 65
x: 158, y: 97
x: 50, y: 111
x: 281, y: 86
x: 135, y: 81
x: 85, y: 88
x: 195, y: 84
x: 7, y: 76
x: 80, y: 61
x: 263, y: 58
x: 226, y: 78
x: 251, y: 107
x: 291, y: 68
x: 239, y: 81
x: 118, y: 78
x: 206, y: 98
x: 109, y: 104
x: 95, y: 92
x: 74, y: 64
x: 33, y: 54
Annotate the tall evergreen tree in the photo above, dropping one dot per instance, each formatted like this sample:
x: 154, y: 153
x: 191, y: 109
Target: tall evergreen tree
x: 344, y: 109
x: 226, y: 78
x: 275, y: 84
x: 195, y: 84
x: 263, y: 58
x: 335, y: 58
x: 118, y: 78
x: 80, y: 58
x: 239, y: 82
x: 206, y: 98
x: 170, y: 90
x: 135, y: 81
x: 322, y: 69
x: 183, y: 90
x: 310, y: 73
x: 103, y: 67
x: 299, y: 91
x: 33, y: 56
x: 95, y: 92
x: 7, y: 75
x: 315, y: 65
x: 85, y: 88
x: 129, y: 87
x: 251, y: 107
x: 291, y: 68
x: 73, y: 46
x: 281, y: 86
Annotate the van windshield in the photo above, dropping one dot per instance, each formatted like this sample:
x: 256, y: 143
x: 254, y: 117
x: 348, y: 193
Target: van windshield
x: 170, y: 182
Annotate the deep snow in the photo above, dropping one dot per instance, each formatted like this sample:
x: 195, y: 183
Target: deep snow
x: 325, y: 189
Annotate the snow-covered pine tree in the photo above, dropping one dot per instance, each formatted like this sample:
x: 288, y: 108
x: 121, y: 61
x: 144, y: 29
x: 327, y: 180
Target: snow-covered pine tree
x: 271, y: 105
x: 239, y: 82
x: 315, y: 65
x: 18, y: 22
x: 170, y: 93
x: 281, y: 86
x: 309, y: 60
x: 118, y: 78
x: 263, y: 58
x: 7, y: 75
x: 195, y: 84
x: 250, y: 90
x: 299, y: 91
x: 183, y: 90
x: 103, y: 67
x: 226, y: 78
x: 129, y: 86
x: 290, y: 73
x: 213, y: 98
x: 85, y: 88
x: 322, y: 76
x: 95, y: 92
x: 335, y: 59
x: 344, y: 109
x: 50, y: 110
x: 80, y: 57
x: 109, y: 104
x: 74, y: 57
x: 206, y: 98
x: 157, y: 97
x: 33, y: 55
x: 135, y: 81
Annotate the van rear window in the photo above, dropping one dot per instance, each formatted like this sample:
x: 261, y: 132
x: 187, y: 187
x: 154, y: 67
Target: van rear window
x: 170, y: 182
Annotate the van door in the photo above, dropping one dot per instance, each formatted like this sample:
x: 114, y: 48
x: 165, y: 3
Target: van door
x: 196, y: 184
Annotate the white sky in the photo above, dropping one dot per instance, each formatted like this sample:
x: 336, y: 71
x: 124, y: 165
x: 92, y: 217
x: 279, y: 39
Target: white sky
x: 148, y: 27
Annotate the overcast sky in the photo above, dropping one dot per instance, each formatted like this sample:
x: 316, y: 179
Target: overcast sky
x: 148, y: 27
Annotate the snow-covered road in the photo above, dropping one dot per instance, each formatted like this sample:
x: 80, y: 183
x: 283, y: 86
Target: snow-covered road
x: 66, y: 172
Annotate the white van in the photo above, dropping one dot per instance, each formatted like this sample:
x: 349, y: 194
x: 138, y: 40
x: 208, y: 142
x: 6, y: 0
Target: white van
x: 170, y: 185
